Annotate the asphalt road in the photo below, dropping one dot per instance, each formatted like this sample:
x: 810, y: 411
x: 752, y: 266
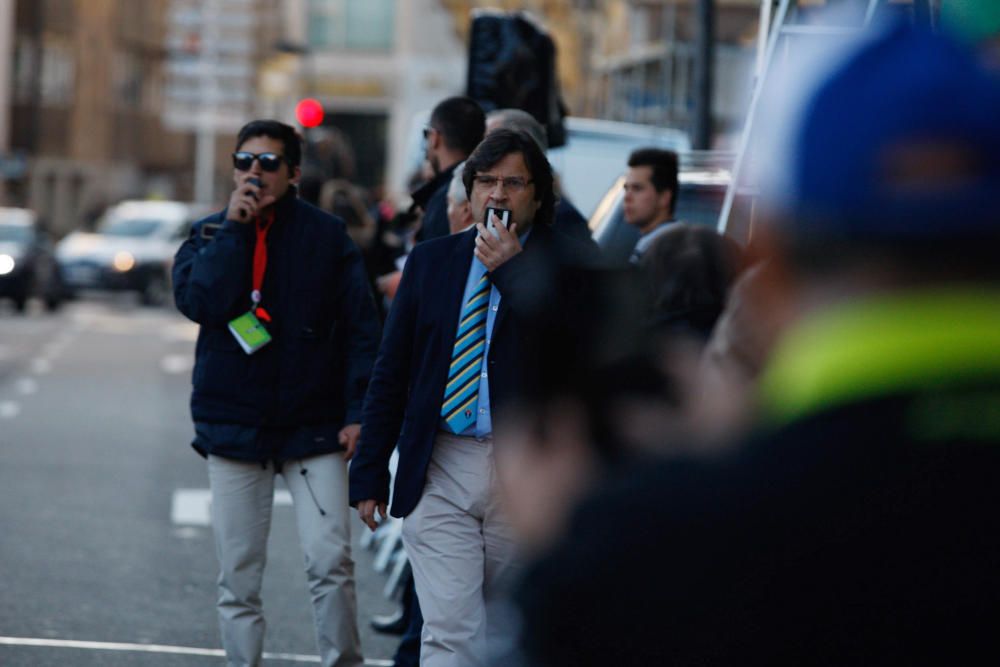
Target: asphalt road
x: 105, y: 558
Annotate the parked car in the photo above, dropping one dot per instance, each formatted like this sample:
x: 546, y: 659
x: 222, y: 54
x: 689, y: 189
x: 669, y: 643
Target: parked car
x: 131, y: 250
x: 27, y: 265
x: 703, y: 177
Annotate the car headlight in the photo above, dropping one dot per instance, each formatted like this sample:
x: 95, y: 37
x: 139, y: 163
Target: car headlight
x: 123, y: 261
x: 7, y: 264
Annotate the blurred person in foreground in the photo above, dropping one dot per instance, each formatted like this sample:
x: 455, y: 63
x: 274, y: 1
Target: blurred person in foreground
x: 447, y: 364
x: 568, y: 220
x: 650, y: 195
x: 855, y: 524
x: 287, y: 401
x: 686, y: 274
x: 455, y: 128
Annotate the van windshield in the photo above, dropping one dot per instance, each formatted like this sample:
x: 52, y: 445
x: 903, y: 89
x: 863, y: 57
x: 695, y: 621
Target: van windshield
x: 132, y: 227
x: 15, y: 233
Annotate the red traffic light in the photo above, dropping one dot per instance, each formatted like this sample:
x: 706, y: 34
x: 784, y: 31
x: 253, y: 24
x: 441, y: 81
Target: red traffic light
x: 309, y: 112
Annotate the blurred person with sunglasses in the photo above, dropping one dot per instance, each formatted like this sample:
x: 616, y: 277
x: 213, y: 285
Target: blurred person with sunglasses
x: 287, y: 340
x: 455, y: 128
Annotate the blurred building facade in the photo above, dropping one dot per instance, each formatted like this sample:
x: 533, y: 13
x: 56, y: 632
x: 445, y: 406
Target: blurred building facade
x: 377, y: 67
x: 85, y: 83
x: 644, y: 59
x: 634, y: 60
x: 84, y: 119
x: 106, y: 99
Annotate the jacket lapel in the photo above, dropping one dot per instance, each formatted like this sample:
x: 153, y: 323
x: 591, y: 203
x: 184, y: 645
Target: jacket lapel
x: 455, y: 273
x: 534, y: 245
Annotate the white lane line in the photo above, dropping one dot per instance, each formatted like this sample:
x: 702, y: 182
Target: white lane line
x: 160, y: 648
x: 26, y: 386
x: 183, y: 332
x: 175, y: 364
x: 9, y: 409
x: 193, y: 507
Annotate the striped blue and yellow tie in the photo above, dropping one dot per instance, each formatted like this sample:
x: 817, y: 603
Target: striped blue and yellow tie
x: 461, y: 395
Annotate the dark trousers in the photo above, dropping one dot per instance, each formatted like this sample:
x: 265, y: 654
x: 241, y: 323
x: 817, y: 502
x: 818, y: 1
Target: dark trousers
x: 408, y: 652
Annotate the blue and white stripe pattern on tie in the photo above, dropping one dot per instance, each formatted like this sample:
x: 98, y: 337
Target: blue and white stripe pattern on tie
x: 461, y: 394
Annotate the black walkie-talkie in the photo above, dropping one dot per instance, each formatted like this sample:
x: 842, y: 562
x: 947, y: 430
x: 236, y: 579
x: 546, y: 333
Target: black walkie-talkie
x: 253, y: 180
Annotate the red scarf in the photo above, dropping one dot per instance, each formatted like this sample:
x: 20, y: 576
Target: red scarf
x: 260, y: 263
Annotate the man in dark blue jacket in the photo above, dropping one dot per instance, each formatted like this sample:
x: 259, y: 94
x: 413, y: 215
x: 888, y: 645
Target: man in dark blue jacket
x: 288, y: 336
x: 446, y: 368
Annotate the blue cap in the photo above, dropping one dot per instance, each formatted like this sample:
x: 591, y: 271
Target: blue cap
x: 901, y: 139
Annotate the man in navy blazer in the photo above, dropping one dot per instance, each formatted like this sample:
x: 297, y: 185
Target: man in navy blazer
x: 437, y: 400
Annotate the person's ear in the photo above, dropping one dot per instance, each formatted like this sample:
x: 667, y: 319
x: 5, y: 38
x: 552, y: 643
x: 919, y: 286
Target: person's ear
x: 295, y: 175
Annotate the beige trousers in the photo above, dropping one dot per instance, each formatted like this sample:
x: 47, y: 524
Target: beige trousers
x: 460, y: 548
x: 242, y: 498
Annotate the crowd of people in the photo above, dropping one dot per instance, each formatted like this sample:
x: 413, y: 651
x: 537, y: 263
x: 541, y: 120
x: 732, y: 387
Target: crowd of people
x: 778, y: 452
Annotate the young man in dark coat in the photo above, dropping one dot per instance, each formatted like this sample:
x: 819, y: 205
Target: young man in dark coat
x: 456, y: 127
x: 272, y: 263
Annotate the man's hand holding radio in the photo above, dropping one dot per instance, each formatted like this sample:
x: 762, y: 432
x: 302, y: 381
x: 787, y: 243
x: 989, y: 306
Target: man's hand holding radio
x: 245, y: 202
x: 497, y: 245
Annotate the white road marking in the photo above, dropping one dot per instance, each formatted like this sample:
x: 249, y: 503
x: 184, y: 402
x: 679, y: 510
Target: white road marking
x: 185, y: 331
x: 26, y: 386
x: 9, y: 409
x: 175, y: 364
x: 193, y: 507
x: 160, y: 648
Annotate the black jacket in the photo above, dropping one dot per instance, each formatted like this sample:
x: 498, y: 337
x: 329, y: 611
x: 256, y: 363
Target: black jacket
x: 432, y: 197
x: 290, y: 398
x: 855, y: 526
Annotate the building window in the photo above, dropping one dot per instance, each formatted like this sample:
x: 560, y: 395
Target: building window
x: 57, y: 76
x: 352, y: 25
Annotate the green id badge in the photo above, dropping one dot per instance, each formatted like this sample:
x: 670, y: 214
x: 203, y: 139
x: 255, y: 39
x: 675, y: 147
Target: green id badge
x: 249, y: 332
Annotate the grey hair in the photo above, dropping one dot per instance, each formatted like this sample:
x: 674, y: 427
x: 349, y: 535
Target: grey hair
x: 456, y: 189
x: 519, y: 121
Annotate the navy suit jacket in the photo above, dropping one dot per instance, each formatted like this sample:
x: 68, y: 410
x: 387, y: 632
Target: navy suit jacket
x: 403, y: 403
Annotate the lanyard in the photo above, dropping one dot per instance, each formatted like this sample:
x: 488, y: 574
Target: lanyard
x: 260, y: 264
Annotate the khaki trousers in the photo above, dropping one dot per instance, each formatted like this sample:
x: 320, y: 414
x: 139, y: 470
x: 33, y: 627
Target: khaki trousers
x: 242, y: 498
x: 460, y: 548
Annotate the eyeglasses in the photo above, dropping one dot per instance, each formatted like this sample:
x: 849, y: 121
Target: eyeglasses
x: 486, y: 182
x: 243, y: 161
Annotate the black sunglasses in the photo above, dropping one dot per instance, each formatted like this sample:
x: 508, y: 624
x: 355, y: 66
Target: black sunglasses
x: 243, y: 160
